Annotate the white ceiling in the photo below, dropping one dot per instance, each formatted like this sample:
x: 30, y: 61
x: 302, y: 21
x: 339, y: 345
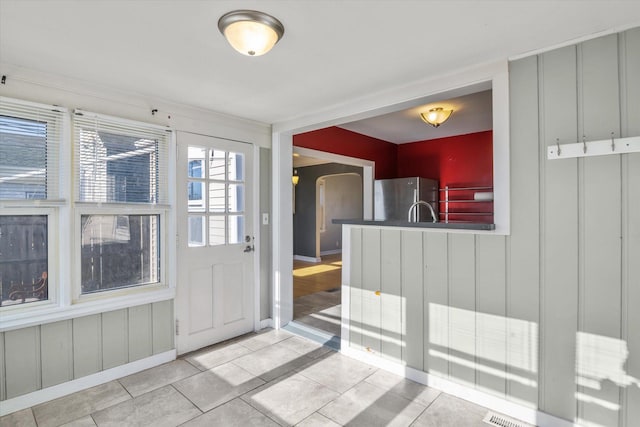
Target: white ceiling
x: 471, y: 113
x: 333, y: 51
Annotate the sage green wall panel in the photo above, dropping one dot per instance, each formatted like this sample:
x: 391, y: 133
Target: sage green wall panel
x: 371, y: 286
x: 523, y: 245
x: 491, y: 321
x: 56, y: 343
x: 115, y: 338
x: 265, y: 234
x: 87, y: 345
x: 22, y: 361
x: 3, y: 382
x: 462, y: 306
x: 355, y: 289
x: 559, y: 294
x: 599, y: 88
x: 436, y: 304
x: 631, y: 280
x: 391, y: 298
x: 413, y: 298
x: 140, y: 332
x: 600, y: 212
x: 163, y: 326
x: 630, y: 58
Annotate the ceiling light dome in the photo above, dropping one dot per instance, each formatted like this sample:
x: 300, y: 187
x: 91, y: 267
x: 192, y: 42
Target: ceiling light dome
x: 436, y: 116
x: 250, y: 32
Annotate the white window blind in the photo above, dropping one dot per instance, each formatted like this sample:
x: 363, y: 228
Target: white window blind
x: 30, y: 139
x: 120, y: 161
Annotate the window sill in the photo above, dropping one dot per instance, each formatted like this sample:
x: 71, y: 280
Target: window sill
x: 48, y: 313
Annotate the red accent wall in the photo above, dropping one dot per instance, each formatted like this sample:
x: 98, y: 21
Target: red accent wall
x: 461, y: 161
x: 457, y: 161
x: 341, y: 141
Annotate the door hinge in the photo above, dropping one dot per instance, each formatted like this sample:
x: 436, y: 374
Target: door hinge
x: 177, y: 327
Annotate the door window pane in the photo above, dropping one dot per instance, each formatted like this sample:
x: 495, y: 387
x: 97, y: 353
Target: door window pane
x: 236, y: 198
x: 197, y: 231
x: 23, y: 259
x: 217, y: 164
x: 119, y: 251
x: 216, y: 230
x: 195, y: 191
x: 216, y: 197
x: 196, y: 169
x: 236, y: 229
x: 236, y: 167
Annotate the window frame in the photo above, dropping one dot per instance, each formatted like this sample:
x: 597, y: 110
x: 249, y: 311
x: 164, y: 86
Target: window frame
x: 64, y: 212
x: 53, y: 299
x: 83, y: 208
x: 49, y: 206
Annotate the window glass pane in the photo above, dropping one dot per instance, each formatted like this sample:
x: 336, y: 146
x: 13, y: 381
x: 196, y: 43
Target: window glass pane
x: 216, y: 165
x: 119, y: 251
x: 216, y: 230
x: 216, y: 197
x: 236, y: 229
x: 23, y: 158
x: 197, y: 231
x: 236, y: 167
x: 196, y: 199
x: 236, y: 197
x: 117, y: 168
x: 23, y: 259
x: 196, y: 169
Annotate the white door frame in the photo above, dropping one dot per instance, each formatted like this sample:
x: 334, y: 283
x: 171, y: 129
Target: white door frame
x: 493, y: 76
x: 255, y: 220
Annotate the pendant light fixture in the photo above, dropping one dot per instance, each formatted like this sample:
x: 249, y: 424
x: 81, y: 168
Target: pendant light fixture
x: 436, y: 116
x: 250, y: 32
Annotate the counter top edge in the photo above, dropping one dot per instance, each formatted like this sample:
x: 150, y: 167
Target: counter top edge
x: 438, y: 225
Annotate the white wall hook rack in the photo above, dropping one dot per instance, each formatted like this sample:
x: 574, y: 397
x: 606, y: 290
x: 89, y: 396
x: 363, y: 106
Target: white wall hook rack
x: 594, y: 148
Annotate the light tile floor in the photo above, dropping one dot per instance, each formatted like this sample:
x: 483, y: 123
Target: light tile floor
x: 266, y: 379
x: 320, y: 310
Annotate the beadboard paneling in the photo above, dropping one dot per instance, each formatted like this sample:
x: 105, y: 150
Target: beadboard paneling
x: 87, y: 345
x: 50, y: 354
x: 523, y: 245
x: 391, y: 315
x: 56, y: 342
x: 22, y: 361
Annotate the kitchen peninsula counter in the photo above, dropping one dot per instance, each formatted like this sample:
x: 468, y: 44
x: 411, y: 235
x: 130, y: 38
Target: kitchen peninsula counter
x: 438, y: 225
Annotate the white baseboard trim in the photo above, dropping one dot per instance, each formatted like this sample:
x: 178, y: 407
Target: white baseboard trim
x: 306, y: 258
x: 266, y: 323
x: 495, y: 403
x: 331, y: 252
x: 44, y: 395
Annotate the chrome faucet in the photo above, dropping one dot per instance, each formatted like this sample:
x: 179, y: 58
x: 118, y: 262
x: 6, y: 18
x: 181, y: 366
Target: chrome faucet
x: 422, y: 202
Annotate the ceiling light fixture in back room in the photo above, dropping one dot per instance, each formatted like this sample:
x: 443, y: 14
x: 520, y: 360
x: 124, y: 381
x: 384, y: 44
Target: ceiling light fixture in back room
x: 436, y: 116
x: 250, y: 32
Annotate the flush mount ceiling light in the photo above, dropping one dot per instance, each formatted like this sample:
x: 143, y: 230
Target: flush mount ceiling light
x: 250, y: 32
x: 436, y: 116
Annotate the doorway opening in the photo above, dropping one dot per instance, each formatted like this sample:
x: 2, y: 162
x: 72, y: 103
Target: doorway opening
x: 328, y: 187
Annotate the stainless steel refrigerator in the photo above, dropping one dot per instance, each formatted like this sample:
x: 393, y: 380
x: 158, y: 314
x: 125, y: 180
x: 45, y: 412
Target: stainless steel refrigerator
x: 394, y: 197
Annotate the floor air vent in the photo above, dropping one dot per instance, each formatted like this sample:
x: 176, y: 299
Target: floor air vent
x: 497, y: 420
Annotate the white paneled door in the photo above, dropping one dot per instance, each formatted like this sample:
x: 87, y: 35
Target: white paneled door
x: 215, y: 287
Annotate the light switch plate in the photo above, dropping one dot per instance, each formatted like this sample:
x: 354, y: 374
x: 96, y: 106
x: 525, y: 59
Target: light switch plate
x: 265, y: 219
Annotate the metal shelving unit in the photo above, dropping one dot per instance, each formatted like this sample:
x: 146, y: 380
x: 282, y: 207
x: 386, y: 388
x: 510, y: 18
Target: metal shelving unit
x: 448, y: 201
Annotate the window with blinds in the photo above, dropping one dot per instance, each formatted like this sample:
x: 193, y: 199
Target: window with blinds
x: 30, y: 138
x: 30, y: 146
x: 120, y: 161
